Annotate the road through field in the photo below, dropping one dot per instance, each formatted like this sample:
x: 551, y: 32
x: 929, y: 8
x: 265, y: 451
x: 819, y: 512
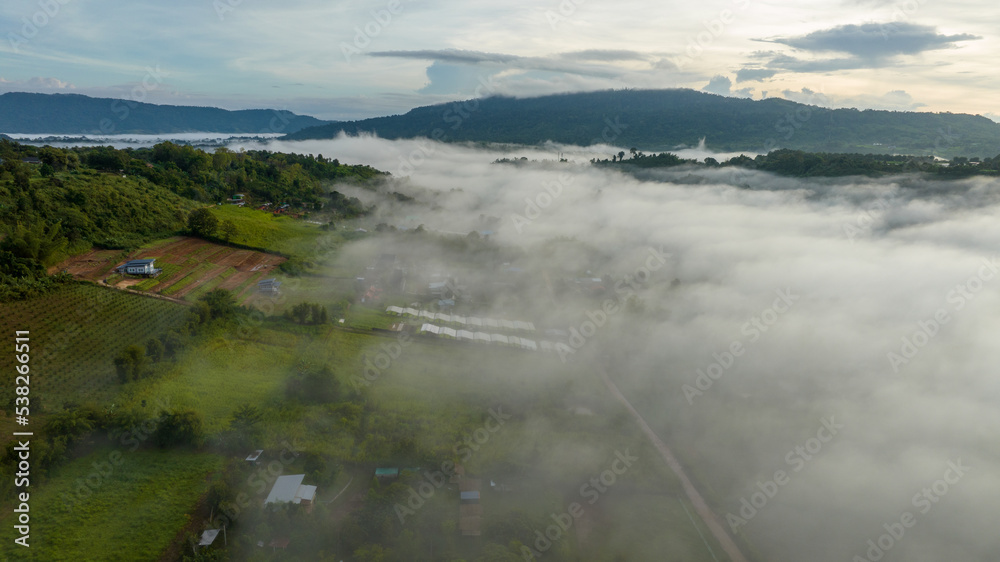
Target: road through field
x: 705, y: 512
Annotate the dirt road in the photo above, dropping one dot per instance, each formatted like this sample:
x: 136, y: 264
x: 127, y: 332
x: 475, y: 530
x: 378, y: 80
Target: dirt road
x: 705, y: 512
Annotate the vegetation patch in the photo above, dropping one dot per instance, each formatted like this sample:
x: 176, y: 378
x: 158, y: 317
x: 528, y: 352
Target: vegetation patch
x: 141, y: 500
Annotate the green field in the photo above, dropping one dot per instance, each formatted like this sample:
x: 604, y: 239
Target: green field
x: 75, y: 334
x: 217, y: 376
x: 264, y: 230
x: 133, y: 508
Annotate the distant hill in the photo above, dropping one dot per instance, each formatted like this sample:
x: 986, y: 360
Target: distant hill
x: 77, y: 114
x: 657, y: 120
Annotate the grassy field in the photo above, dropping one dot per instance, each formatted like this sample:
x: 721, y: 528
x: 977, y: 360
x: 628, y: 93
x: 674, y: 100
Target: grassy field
x: 136, y: 506
x: 217, y: 376
x: 75, y: 334
x: 262, y: 229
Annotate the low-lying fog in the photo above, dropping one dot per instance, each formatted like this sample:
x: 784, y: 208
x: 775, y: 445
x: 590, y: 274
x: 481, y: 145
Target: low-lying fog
x: 846, y: 328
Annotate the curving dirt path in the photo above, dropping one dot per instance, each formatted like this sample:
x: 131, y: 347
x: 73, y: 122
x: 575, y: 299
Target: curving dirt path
x: 705, y: 512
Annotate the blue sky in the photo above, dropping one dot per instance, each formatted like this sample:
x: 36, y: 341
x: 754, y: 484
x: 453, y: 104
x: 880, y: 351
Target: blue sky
x: 341, y: 60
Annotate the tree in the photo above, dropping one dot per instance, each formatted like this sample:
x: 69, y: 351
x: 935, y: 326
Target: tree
x: 314, y: 386
x: 300, y: 312
x: 319, y: 314
x: 621, y: 155
x: 155, y: 349
x: 221, y: 303
x: 202, y: 223
x: 130, y: 363
x: 22, y: 177
x: 40, y: 242
x: 245, y: 419
x: 178, y: 428
x: 228, y: 230
x: 172, y: 343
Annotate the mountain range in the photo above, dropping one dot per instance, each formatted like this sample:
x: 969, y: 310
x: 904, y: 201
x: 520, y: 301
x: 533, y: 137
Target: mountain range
x: 78, y: 114
x: 657, y: 120
x: 649, y: 120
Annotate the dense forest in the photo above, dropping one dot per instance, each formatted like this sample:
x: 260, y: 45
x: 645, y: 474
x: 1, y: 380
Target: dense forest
x: 657, y: 120
x: 798, y: 163
x: 22, y: 112
x: 56, y: 202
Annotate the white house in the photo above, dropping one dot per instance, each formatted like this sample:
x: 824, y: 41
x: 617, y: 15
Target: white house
x: 145, y: 267
x: 289, y: 489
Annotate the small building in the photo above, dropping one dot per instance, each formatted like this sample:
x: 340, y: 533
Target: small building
x: 209, y: 535
x: 269, y: 286
x: 470, y: 511
x: 34, y: 161
x: 254, y: 457
x: 386, y: 473
x: 146, y: 267
x: 438, y: 289
x: 289, y: 489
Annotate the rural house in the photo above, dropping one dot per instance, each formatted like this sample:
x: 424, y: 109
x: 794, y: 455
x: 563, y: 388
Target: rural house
x: 289, y: 489
x: 145, y: 267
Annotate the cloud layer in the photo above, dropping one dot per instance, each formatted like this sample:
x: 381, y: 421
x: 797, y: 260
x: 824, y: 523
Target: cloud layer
x: 889, y: 332
x: 349, y: 60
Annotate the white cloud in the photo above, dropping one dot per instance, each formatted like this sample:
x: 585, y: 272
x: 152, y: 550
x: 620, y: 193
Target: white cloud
x: 896, y: 100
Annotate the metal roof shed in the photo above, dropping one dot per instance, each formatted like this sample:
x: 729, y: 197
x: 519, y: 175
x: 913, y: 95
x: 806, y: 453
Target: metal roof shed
x: 208, y: 537
x: 285, y: 488
x: 305, y: 494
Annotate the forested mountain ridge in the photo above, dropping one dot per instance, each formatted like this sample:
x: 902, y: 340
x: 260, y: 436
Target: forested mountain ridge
x: 656, y: 120
x: 79, y: 198
x: 77, y: 114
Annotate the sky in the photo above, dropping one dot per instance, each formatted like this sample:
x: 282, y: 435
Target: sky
x: 351, y: 59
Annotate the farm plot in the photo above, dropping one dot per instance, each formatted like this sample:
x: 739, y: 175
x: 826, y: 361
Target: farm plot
x: 92, y: 266
x: 75, y: 334
x: 191, y: 267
